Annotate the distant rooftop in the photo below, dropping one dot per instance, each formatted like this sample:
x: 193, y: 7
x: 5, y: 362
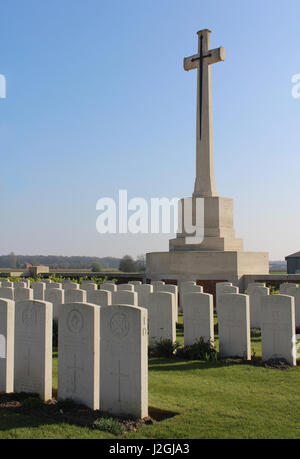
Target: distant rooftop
x: 294, y: 255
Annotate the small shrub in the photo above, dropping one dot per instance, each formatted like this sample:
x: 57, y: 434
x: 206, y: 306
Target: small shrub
x: 164, y: 348
x: 66, y: 404
x: 255, y: 333
x: 110, y: 425
x: 31, y: 403
x: 200, y: 350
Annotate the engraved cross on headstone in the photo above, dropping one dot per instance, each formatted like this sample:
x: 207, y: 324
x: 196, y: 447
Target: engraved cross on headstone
x: 205, y: 182
x: 120, y: 375
x: 74, y: 368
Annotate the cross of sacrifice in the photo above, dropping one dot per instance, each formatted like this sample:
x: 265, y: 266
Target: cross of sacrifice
x: 205, y: 181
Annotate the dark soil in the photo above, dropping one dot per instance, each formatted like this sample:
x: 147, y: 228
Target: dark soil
x: 72, y: 413
x: 275, y: 364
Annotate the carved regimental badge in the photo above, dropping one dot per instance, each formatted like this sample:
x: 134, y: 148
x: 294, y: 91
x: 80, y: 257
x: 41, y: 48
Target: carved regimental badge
x: 119, y: 325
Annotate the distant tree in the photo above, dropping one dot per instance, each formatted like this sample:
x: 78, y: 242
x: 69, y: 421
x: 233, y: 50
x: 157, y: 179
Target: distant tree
x: 127, y: 264
x: 13, y: 259
x: 141, y: 262
x: 96, y: 267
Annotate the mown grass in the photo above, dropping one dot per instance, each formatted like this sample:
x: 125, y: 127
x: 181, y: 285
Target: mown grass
x: 213, y: 400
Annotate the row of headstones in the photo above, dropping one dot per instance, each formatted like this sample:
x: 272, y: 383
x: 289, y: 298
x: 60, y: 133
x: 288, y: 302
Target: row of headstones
x: 237, y: 314
x: 258, y: 290
x: 102, y: 358
x: 277, y: 324
x: 135, y: 294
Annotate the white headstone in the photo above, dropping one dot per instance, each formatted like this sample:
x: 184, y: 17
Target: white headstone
x: 39, y: 289
x: 21, y: 285
x: 125, y: 287
x: 108, y: 286
x: 234, y: 325
x: 253, y: 285
x: 189, y: 289
x: 6, y: 292
x: 75, y: 296
x: 169, y: 288
x: 255, y: 295
x: 78, y: 357
x: 99, y: 297
x: 124, y: 361
x: 278, y: 328
x: 7, y: 284
x: 54, y: 285
x: 33, y: 348
x: 143, y: 291
x: 56, y: 296
x: 70, y: 286
x: 198, y: 317
x: 222, y: 289
x: 296, y: 295
x: 162, y: 320
x: 91, y: 286
x: 124, y: 297
x: 22, y: 294
x: 157, y: 284
x: 287, y: 288
x: 7, y: 331
x: 135, y: 283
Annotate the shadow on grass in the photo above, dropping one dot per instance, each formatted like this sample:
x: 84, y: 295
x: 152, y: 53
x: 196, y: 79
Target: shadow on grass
x: 10, y: 420
x: 161, y: 364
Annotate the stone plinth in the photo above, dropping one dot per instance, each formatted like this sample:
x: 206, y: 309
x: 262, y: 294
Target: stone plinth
x: 217, y: 227
x: 196, y: 265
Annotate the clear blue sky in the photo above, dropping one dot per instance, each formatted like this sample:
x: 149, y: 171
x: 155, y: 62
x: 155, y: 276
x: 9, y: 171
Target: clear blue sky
x: 97, y: 101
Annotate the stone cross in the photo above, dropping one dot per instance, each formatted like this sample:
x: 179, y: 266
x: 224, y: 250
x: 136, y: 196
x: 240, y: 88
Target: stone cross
x: 119, y: 375
x: 205, y: 182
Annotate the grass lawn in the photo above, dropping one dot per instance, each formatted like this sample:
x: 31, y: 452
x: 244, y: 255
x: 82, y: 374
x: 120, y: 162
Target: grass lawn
x: 213, y: 400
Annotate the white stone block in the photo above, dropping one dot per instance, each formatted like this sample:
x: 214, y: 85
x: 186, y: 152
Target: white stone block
x: 99, y: 297
x: 75, y: 296
x: 21, y: 285
x: 22, y: 294
x: 125, y: 287
x: 198, y: 317
x: 162, y: 320
x: 7, y: 331
x: 33, y: 348
x: 39, y: 289
x: 287, y: 289
x: 169, y: 288
x: 56, y: 296
x: 222, y: 289
x: 234, y: 325
x: 143, y: 291
x: 278, y: 328
x: 255, y: 295
x: 7, y: 284
x: 7, y: 293
x: 124, y: 361
x: 135, y: 283
x: 110, y: 286
x: 124, y: 297
x: 79, y: 353
x: 189, y: 289
x: 54, y: 285
x: 71, y: 286
x: 157, y: 284
x: 89, y: 287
